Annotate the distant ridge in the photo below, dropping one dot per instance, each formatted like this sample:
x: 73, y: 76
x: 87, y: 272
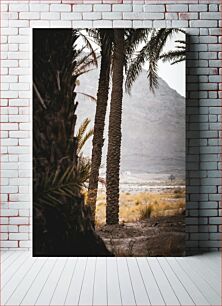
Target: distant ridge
x: 153, y: 128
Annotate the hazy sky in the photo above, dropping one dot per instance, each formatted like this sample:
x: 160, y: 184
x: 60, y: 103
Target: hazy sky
x: 173, y: 75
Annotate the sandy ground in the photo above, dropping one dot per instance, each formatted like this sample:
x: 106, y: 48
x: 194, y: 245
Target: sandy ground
x: 162, y: 236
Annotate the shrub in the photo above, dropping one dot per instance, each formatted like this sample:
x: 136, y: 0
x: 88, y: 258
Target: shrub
x: 145, y: 212
x: 178, y: 193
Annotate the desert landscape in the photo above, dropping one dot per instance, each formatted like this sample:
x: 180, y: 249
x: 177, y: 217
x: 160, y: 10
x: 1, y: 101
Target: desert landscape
x: 152, y: 171
x: 151, y: 219
x: 108, y: 142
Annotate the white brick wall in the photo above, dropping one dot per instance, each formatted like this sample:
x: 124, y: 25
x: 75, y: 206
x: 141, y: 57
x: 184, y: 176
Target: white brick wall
x: 200, y: 17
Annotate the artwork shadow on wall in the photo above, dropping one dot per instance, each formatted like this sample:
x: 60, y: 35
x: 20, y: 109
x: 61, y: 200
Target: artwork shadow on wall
x: 109, y: 142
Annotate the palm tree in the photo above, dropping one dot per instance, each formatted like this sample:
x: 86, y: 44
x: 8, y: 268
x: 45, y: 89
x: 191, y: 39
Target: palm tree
x: 104, y: 37
x: 152, y: 53
x: 125, y: 43
x: 62, y: 225
x: 114, y: 133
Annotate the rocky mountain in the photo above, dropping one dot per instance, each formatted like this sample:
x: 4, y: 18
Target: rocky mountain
x: 153, y: 127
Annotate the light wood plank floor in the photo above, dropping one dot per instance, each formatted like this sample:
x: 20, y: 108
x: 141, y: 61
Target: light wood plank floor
x: 110, y: 281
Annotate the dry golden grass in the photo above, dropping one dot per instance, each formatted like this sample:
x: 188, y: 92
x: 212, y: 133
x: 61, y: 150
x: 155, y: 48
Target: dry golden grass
x: 134, y: 207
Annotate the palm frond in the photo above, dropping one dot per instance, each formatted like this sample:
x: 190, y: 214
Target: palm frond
x: 50, y: 189
x: 156, y: 45
x: 83, y: 140
x: 79, y: 51
x: 183, y: 42
x: 134, y: 37
x: 151, y: 52
x: 95, y: 34
x: 153, y: 75
x: 90, y: 47
x: 173, y: 56
x: 135, y: 68
x: 180, y: 47
x: 40, y: 99
x: 179, y: 60
x: 84, y: 71
x: 84, y: 64
x: 83, y: 135
x: 83, y: 170
x: 88, y: 96
x: 82, y: 128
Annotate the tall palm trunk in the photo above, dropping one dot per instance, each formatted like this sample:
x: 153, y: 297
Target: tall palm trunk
x: 114, y: 143
x: 101, y: 106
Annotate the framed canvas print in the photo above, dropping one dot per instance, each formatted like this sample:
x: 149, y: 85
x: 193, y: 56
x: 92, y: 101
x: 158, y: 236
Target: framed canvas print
x: 109, y: 142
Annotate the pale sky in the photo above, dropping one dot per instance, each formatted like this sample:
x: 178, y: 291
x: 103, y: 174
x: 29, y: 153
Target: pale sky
x: 173, y: 75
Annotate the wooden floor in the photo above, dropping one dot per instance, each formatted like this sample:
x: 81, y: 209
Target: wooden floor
x: 110, y: 281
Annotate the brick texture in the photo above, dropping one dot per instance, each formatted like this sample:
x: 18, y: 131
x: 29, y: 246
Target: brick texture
x: 201, y: 20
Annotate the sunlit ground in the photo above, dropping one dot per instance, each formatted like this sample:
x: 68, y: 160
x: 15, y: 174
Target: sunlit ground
x: 142, y: 205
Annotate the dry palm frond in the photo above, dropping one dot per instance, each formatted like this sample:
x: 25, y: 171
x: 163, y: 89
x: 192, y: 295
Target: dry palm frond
x: 88, y: 96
